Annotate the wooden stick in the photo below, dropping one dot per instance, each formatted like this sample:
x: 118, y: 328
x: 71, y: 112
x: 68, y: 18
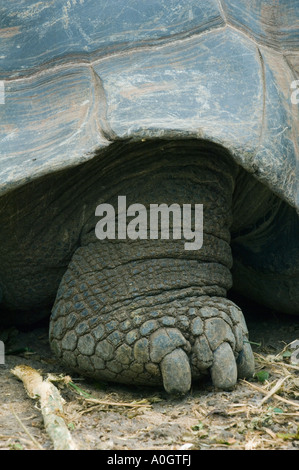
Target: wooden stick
x: 277, y: 397
x: 51, y: 404
x: 115, y: 403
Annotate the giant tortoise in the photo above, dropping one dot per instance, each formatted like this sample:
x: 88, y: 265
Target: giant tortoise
x: 192, y: 103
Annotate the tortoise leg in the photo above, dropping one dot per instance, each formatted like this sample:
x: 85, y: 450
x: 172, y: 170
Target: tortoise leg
x: 148, y: 311
x: 104, y: 325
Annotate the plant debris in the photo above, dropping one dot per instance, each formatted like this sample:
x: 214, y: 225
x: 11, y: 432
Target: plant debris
x: 51, y: 404
x: 256, y: 414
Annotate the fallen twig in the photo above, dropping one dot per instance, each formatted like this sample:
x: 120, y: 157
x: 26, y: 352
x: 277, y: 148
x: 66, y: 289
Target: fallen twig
x: 116, y: 403
x: 274, y: 389
x: 51, y: 404
x: 273, y: 360
x: 265, y: 392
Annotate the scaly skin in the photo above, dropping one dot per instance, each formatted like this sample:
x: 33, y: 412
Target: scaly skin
x: 147, y: 311
x: 149, y: 337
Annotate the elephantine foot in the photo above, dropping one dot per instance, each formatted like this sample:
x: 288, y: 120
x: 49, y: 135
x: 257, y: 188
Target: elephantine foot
x: 172, y: 344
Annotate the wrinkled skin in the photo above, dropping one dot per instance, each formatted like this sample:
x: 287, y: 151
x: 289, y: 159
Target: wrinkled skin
x: 137, y: 311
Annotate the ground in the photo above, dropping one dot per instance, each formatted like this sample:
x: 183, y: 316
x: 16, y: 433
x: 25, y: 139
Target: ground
x: 116, y: 417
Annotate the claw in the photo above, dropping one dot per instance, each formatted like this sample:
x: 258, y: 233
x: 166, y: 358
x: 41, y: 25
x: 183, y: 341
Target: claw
x: 176, y: 372
x: 224, y: 368
x: 245, y: 362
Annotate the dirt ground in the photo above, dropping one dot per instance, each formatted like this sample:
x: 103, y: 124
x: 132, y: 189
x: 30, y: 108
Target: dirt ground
x: 115, y: 417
